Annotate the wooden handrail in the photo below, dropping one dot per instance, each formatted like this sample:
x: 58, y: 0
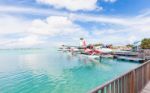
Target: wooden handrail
x: 136, y: 79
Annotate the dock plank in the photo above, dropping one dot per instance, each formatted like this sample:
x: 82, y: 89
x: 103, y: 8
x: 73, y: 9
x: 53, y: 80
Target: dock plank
x: 147, y: 88
x: 129, y: 58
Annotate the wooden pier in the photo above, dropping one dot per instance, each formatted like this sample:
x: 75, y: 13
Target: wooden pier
x: 146, y: 88
x: 130, y: 58
x: 139, y: 56
x: 133, y: 81
x: 125, y: 53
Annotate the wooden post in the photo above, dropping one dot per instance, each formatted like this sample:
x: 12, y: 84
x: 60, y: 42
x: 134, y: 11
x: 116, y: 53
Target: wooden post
x: 133, y: 82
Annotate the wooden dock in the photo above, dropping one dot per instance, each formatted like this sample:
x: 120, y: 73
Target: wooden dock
x: 126, y: 53
x: 130, y: 58
x: 132, y: 81
x: 146, y: 88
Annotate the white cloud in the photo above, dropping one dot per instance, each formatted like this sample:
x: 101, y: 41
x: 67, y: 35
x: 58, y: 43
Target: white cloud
x: 112, y: 1
x: 72, y: 5
x: 22, y: 42
x: 28, y: 41
x: 29, y: 10
x: 101, y: 19
x: 10, y: 25
x: 62, y: 27
x: 144, y: 13
x: 132, y: 22
x: 123, y: 30
x: 55, y: 25
x: 35, y: 32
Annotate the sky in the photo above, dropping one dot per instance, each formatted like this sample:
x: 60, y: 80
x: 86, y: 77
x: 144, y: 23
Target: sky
x: 44, y: 23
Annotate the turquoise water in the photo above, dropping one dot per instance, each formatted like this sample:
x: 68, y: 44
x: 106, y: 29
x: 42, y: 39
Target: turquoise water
x: 50, y: 71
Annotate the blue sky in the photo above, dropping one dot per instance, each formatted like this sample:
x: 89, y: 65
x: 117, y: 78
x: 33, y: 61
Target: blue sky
x: 34, y: 23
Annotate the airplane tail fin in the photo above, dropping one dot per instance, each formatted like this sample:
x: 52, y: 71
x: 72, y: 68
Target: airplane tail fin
x: 82, y: 42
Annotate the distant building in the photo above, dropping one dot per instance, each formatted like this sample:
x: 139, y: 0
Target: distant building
x: 137, y: 46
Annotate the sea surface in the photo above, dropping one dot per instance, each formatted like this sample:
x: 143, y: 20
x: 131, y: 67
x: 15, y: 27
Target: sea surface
x: 52, y: 71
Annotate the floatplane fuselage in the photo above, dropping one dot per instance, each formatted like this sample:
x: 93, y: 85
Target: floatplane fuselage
x: 89, y: 50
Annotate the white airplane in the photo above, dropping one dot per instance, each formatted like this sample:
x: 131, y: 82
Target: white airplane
x: 100, y: 49
x: 105, y: 50
x: 69, y: 48
x: 86, y: 49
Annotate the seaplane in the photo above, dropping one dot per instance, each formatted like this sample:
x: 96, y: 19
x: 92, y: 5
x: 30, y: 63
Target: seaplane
x: 66, y: 48
x: 94, y: 51
x: 89, y: 50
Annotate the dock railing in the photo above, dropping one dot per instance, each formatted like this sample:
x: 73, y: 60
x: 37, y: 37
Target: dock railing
x: 146, y: 54
x: 131, y: 82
